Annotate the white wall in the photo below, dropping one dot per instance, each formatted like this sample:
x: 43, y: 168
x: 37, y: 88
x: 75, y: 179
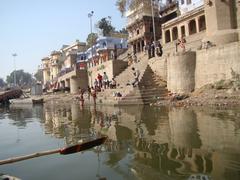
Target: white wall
x: 184, y: 8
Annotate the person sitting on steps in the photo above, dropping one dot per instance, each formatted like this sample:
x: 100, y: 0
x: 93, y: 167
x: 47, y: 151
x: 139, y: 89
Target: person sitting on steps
x: 136, y: 75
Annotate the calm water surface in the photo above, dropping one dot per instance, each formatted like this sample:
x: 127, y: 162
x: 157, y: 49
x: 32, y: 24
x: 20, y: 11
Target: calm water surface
x: 144, y: 142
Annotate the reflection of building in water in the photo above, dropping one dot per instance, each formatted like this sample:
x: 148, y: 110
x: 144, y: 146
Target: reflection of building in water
x: 67, y: 121
x: 23, y: 114
x: 222, y: 138
x: 190, y: 149
x: 166, y: 142
x: 183, y: 128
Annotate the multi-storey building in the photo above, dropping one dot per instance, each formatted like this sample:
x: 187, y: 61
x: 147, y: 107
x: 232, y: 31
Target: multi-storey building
x: 140, y: 25
x: 46, y: 70
x: 202, y: 20
x: 67, y: 69
x: 51, y: 66
x: 59, y: 63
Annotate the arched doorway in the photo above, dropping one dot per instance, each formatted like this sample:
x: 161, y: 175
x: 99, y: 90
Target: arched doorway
x: 192, y: 27
x: 167, y: 36
x: 202, y: 23
x: 175, y: 33
x: 183, y: 34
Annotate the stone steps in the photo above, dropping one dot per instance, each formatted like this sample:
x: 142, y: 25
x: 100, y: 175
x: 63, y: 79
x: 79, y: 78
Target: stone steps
x: 127, y: 76
x: 149, y: 90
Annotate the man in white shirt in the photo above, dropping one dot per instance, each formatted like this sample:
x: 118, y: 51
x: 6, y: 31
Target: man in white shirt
x: 136, y: 74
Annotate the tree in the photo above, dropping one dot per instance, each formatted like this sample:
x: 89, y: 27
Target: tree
x: 124, y: 31
x: 91, y: 39
x: 105, y: 26
x: 22, y: 78
x: 39, y: 75
x: 124, y: 5
x: 2, y: 83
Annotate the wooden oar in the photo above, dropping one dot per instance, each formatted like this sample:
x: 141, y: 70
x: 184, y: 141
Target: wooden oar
x: 63, y: 151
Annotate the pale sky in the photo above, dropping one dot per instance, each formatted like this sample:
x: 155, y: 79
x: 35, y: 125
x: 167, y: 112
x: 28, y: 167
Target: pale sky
x: 33, y: 28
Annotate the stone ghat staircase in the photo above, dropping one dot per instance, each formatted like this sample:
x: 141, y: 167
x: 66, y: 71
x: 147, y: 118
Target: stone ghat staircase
x: 150, y: 89
x: 127, y: 75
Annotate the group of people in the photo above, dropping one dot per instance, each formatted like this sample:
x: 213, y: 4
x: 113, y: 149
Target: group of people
x: 154, y: 48
x: 103, y: 82
x: 99, y: 83
x: 132, y: 59
x: 91, y: 92
x: 181, y: 43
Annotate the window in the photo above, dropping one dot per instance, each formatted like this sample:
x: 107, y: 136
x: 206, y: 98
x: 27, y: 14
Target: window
x: 137, y: 31
x: 202, y: 23
x: 167, y: 36
x: 182, y: 1
x: 183, y: 31
x: 175, y: 33
x: 192, y: 27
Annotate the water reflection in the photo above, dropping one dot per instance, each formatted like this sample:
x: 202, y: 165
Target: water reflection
x: 149, y: 143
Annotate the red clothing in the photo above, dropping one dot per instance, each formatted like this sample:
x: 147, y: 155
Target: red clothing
x: 99, y: 77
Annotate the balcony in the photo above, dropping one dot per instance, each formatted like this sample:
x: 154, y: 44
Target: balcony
x: 135, y: 37
x: 138, y: 13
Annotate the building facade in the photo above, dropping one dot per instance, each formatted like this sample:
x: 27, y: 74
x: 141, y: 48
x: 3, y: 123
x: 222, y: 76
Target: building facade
x: 140, y: 25
x: 60, y: 63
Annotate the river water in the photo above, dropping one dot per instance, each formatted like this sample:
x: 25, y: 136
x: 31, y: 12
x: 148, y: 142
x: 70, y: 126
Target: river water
x: 144, y: 142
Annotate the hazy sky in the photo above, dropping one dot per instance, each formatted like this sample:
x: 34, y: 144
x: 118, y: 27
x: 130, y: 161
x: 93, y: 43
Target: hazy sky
x: 33, y: 28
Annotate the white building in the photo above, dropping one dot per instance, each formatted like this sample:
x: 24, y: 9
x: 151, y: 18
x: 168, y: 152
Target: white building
x: 189, y: 5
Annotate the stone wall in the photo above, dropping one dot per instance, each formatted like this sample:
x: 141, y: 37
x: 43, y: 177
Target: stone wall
x: 111, y: 67
x: 181, y: 72
x: 215, y: 64
x: 188, y: 71
x: 159, y: 67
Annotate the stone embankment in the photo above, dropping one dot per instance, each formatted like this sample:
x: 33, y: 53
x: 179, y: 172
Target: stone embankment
x: 224, y: 93
x: 221, y: 94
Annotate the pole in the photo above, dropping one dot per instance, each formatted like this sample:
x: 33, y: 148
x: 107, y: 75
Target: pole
x: 153, y: 21
x: 90, y: 18
x: 14, y: 64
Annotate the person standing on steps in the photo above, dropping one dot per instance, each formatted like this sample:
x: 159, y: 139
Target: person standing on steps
x: 136, y: 75
x: 149, y: 50
x: 105, y: 80
x: 130, y: 60
x: 153, y: 49
x: 135, y: 58
x: 159, y: 49
x: 99, y: 77
x: 96, y: 84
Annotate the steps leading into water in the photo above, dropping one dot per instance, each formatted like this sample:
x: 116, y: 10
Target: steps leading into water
x: 151, y: 88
